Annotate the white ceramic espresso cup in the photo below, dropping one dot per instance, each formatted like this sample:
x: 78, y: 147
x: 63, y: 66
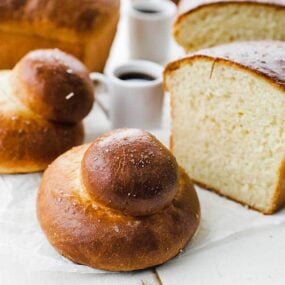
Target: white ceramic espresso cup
x: 150, y: 23
x: 135, y: 94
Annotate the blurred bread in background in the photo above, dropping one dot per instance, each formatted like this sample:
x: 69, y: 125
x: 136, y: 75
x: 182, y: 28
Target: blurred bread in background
x: 84, y: 28
x: 207, y: 23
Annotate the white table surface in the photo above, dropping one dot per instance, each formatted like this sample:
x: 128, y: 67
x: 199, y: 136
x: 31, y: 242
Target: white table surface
x: 233, y: 246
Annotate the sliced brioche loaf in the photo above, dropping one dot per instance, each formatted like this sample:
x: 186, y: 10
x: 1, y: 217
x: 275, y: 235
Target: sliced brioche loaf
x: 207, y: 23
x: 228, y: 128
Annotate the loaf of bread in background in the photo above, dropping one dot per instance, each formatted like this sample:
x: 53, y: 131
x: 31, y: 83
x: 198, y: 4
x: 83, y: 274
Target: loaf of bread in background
x: 84, y: 28
x: 228, y: 120
x: 207, y: 23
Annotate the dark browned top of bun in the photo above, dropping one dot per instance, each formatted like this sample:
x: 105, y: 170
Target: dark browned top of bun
x: 53, y: 84
x: 266, y: 58
x: 131, y: 171
x: 80, y: 15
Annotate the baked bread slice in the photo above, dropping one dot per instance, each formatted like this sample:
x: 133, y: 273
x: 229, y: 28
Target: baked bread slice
x: 207, y: 23
x: 228, y: 120
x: 85, y: 29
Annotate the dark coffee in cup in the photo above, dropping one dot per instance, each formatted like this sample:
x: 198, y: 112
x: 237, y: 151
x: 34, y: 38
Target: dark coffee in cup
x: 136, y: 76
x: 147, y: 10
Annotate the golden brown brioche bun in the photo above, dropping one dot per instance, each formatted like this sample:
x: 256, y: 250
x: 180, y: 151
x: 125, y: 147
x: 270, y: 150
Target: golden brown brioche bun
x: 127, y: 231
x: 37, y: 121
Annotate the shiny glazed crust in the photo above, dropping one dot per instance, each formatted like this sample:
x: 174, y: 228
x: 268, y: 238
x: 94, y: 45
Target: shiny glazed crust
x: 29, y: 144
x: 80, y: 16
x: 95, y: 235
x: 83, y: 28
x: 53, y: 84
x: 143, y: 182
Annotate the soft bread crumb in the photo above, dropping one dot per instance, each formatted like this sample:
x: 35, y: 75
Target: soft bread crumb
x: 229, y: 130
x: 216, y: 24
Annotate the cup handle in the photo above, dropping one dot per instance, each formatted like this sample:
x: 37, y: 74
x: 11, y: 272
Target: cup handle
x: 101, y: 79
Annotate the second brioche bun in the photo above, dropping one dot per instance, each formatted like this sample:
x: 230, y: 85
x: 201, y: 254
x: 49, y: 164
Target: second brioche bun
x: 38, y: 122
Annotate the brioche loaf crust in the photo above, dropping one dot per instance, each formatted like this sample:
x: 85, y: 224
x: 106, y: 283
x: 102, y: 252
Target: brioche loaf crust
x: 84, y: 28
x: 79, y: 16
